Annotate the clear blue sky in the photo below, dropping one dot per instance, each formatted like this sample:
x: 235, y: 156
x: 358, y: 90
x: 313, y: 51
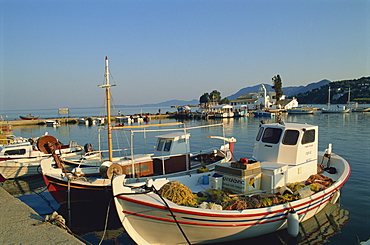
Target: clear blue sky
x: 52, y: 52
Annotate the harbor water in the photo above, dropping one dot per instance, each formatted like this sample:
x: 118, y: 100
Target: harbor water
x: 347, y: 223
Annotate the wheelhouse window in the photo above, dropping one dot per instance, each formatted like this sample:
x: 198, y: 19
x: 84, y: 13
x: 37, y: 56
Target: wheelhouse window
x: 290, y: 137
x: 259, y: 134
x: 160, y: 145
x: 271, y: 135
x: 167, y: 145
x: 15, y: 152
x: 181, y: 140
x: 308, y: 136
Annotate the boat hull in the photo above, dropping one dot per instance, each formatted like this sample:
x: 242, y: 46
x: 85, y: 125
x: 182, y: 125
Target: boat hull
x: 361, y: 109
x: 297, y: 111
x: 11, y: 169
x: 202, y: 226
x: 73, y: 191
x: 29, y: 117
x: 335, y: 110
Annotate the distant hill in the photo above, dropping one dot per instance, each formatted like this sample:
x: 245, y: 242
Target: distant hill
x: 339, y: 92
x: 170, y: 103
x: 288, y: 91
x: 311, y: 93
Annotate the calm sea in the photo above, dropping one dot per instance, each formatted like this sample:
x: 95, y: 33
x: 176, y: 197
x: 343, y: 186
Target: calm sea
x: 348, y: 223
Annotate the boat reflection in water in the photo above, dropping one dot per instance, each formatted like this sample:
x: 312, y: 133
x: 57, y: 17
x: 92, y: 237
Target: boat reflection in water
x: 316, y: 230
x: 324, y: 225
x: 24, y: 185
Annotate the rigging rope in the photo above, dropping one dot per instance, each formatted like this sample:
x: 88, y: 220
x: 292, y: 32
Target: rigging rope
x: 173, y: 216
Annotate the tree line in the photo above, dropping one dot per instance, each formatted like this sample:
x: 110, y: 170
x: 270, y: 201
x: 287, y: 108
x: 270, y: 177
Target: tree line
x: 356, y: 90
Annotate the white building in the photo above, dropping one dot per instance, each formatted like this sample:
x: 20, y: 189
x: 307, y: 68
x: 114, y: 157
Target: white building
x: 264, y: 100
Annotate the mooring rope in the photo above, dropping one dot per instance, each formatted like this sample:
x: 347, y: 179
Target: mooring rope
x: 172, y: 214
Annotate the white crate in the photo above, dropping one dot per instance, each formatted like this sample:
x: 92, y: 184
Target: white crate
x: 215, y: 182
x: 245, y: 185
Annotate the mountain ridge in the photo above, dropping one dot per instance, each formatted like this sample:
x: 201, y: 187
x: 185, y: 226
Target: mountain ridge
x: 288, y: 91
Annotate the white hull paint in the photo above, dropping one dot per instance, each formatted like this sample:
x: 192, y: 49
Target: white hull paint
x: 14, y: 169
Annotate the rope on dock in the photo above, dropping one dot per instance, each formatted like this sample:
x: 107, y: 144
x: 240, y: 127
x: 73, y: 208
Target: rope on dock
x: 56, y: 219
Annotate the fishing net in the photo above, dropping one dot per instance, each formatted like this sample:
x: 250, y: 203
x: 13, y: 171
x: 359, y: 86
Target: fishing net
x: 179, y: 194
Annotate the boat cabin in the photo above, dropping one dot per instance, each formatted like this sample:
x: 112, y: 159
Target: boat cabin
x: 290, y: 143
x: 171, y: 153
x: 283, y: 153
x: 17, y: 150
x: 287, y: 152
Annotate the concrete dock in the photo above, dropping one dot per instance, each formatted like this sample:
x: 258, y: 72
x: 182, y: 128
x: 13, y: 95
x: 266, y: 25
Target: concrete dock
x: 67, y: 120
x: 17, y: 225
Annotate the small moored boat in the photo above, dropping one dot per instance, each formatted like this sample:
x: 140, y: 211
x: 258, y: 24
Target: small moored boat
x: 337, y: 109
x: 300, y: 110
x: 262, y: 113
x: 361, y: 109
x: 23, y: 159
x: 29, y: 117
x: 52, y: 123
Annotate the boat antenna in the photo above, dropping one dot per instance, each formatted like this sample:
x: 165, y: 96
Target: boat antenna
x: 107, y: 96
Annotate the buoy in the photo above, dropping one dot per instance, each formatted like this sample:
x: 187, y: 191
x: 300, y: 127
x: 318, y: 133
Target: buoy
x: 293, y: 223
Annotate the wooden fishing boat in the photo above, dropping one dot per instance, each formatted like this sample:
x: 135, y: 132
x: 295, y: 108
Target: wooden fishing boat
x: 29, y: 117
x: 265, y: 199
x: 262, y: 113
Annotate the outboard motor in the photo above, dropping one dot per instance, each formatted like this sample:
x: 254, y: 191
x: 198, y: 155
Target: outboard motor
x: 90, y: 121
x: 88, y: 147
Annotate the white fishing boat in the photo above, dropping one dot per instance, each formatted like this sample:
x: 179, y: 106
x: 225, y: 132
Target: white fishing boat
x: 281, y: 188
x: 52, y: 123
x: 361, y: 109
x: 124, y: 120
x: 336, y: 109
x: 301, y: 110
x: 221, y: 111
x: 23, y: 158
x: 172, y: 156
x: 88, y: 121
x: 240, y: 111
x: 27, y: 150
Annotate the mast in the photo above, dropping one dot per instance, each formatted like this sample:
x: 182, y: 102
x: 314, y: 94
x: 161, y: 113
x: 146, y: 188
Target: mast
x: 349, y: 94
x: 329, y: 97
x: 107, y: 96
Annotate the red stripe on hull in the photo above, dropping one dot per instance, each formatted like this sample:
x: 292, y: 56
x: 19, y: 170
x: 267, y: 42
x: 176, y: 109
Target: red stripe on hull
x: 59, y: 190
